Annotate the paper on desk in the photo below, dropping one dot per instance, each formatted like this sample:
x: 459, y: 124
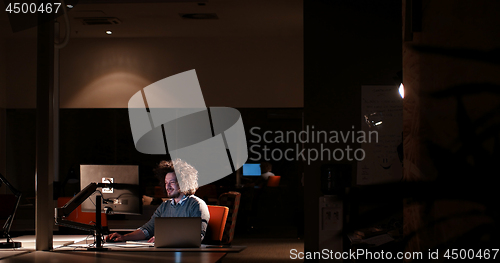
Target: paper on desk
x: 142, y: 243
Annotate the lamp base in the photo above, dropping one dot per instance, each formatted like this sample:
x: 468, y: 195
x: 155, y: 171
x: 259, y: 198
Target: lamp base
x: 97, y: 249
x: 10, y: 245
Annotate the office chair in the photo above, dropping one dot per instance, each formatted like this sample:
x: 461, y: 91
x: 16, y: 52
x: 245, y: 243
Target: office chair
x: 216, y: 224
x: 231, y: 200
x: 273, y: 181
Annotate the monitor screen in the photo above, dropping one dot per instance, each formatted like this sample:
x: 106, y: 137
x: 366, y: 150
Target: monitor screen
x: 251, y: 169
x: 118, y: 201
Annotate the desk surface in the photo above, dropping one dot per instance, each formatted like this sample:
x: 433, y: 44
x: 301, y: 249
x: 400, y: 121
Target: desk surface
x: 81, y: 242
x: 28, y: 241
x: 114, y: 257
x: 72, y: 248
x: 124, y: 247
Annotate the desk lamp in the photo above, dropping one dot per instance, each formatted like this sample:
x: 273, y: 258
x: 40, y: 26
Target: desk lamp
x: 8, y: 223
x: 97, y: 229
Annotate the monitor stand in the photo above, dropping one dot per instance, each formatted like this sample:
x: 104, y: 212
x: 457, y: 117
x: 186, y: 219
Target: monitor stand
x: 98, y: 228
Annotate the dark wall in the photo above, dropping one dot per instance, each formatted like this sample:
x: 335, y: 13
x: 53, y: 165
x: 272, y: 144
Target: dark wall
x: 90, y: 136
x: 347, y: 44
x: 273, y: 121
x: 451, y: 129
x: 100, y: 136
x: 103, y: 136
x: 21, y: 141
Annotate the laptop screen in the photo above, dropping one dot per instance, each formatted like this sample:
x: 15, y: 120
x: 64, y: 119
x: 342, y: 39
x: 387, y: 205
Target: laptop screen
x: 177, y: 232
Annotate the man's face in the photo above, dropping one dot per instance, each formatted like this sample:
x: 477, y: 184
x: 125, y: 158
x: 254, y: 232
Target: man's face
x: 172, y: 186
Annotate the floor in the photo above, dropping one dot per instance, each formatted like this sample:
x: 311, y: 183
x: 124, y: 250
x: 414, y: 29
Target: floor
x: 265, y: 250
x: 266, y: 243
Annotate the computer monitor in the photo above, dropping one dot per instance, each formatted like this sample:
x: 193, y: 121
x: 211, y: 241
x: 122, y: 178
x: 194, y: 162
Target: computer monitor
x: 118, y: 200
x: 251, y: 169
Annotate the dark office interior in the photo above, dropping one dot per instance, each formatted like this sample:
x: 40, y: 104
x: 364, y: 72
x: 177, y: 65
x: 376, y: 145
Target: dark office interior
x: 286, y: 66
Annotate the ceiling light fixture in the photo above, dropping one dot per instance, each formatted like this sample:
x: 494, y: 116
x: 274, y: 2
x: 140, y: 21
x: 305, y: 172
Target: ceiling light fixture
x: 109, y: 32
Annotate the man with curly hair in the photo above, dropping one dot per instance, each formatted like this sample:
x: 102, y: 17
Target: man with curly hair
x: 180, y: 181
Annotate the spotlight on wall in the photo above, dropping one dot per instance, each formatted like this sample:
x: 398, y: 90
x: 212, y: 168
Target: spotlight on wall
x: 402, y: 90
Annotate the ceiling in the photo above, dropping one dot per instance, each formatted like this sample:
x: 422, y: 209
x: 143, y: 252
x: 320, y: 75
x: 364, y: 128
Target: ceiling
x: 162, y: 18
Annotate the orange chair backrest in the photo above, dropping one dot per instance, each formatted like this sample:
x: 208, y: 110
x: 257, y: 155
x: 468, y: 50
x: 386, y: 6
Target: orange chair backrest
x: 231, y: 200
x: 273, y: 181
x: 217, y: 222
x: 81, y: 217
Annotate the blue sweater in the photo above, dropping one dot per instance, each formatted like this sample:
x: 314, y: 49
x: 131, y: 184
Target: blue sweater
x: 189, y: 206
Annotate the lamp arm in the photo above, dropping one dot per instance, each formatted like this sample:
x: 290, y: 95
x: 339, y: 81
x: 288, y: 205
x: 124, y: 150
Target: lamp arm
x: 8, y: 222
x: 72, y: 224
x: 10, y: 219
x: 77, y: 200
x: 11, y: 188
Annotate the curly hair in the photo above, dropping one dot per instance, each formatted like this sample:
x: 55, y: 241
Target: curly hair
x: 187, y: 175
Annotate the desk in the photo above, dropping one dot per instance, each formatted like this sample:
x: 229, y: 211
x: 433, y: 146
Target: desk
x: 124, y: 247
x: 72, y: 248
x: 28, y: 241
x: 114, y: 257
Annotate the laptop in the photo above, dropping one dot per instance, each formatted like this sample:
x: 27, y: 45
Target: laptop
x: 177, y: 232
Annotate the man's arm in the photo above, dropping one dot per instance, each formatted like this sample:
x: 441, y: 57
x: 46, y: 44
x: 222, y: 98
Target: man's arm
x: 139, y: 234
x: 200, y: 209
x: 136, y: 235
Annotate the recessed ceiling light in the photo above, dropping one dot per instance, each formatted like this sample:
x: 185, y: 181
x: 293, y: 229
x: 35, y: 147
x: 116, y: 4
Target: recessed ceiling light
x: 109, y: 32
x: 69, y: 6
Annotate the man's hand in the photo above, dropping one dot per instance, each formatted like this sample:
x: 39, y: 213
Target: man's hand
x: 151, y: 240
x: 136, y: 235
x: 115, y: 237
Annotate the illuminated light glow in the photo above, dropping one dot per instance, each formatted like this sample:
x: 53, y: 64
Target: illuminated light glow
x: 97, y: 91
x: 178, y: 257
x: 69, y: 6
x: 402, y: 90
x: 377, y: 123
x: 109, y: 32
